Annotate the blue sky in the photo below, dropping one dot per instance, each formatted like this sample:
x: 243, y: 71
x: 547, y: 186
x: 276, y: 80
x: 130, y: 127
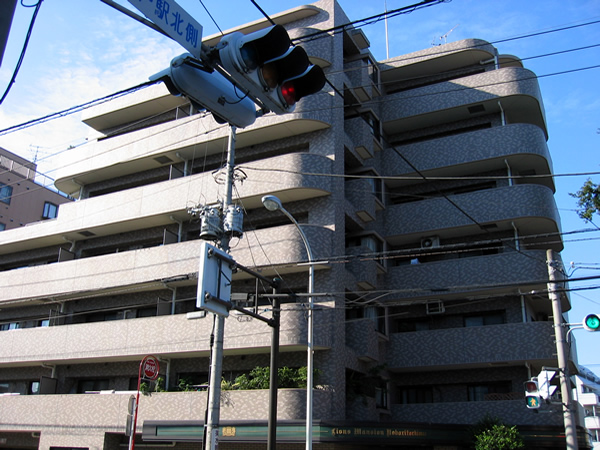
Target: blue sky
x: 82, y: 50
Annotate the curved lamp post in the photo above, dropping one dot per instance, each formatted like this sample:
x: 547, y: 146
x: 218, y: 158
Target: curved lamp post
x: 272, y: 203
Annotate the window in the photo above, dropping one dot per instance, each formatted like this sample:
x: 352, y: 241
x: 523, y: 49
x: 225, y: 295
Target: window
x: 5, y: 193
x: 10, y: 326
x: 4, y: 388
x: 2, y: 226
x: 492, y: 318
x: 489, y: 391
x: 50, y: 211
x: 84, y: 386
x: 417, y: 394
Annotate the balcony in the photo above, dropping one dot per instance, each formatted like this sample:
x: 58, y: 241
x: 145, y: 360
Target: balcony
x: 468, y: 413
x: 158, y: 204
x: 589, y: 399
x: 507, y: 344
x: 362, y: 138
x: 515, y: 88
x: 437, y: 59
x: 592, y: 423
x: 99, y: 413
x: 163, y: 336
x: 520, y: 146
x: 147, y: 148
x: 530, y: 208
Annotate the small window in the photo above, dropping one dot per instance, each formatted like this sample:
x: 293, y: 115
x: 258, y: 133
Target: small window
x: 5, y: 193
x: 50, y: 211
x: 2, y: 226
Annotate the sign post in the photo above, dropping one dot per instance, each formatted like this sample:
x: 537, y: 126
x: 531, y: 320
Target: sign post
x: 148, y: 370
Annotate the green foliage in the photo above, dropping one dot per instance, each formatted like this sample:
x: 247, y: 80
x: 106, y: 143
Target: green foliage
x: 499, y: 437
x: 588, y: 200
x: 259, y: 378
x: 185, y: 384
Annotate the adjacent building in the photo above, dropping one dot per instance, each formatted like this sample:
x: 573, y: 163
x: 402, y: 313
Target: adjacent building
x: 424, y: 186
x: 23, y: 200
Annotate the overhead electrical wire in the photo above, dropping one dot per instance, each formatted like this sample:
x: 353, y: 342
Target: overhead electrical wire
x: 24, y: 49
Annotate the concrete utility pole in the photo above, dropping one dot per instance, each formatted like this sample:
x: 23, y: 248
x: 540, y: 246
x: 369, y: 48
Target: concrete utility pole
x: 216, y: 360
x: 561, y: 350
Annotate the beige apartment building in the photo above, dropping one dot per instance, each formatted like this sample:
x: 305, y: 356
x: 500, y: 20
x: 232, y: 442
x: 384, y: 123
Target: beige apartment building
x: 413, y: 181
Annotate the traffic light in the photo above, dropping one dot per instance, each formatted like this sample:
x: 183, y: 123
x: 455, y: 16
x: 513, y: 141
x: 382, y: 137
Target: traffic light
x: 268, y: 69
x: 208, y: 89
x: 533, y: 398
x: 591, y: 322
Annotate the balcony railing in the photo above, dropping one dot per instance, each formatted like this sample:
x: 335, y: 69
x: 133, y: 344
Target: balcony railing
x: 173, y: 335
x: 511, y: 343
x: 508, y: 411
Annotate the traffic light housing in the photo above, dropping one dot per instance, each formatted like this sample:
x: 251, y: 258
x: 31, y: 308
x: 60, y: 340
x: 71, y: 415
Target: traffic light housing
x: 208, y: 89
x: 591, y: 322
x: 268, y: 69
x: 533, y: 399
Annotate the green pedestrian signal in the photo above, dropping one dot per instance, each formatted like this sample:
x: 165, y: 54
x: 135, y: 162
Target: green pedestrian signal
x: 591, y: 322
x: 533, y: 399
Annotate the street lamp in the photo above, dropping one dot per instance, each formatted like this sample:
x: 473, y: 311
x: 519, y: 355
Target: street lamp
x: 272, y: 203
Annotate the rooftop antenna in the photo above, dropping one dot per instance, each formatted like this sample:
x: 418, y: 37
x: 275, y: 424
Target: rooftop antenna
x: 445, y: 36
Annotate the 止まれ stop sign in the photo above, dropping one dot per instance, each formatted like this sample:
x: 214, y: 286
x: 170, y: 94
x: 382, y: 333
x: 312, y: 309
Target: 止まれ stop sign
x: 150, y: 368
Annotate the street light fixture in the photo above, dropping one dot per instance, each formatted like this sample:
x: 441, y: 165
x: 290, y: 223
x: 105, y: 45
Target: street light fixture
x: 272, y: 203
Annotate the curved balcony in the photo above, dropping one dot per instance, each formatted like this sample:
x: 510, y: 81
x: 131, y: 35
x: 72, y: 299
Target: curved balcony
x: 522, y: 146
x: 510, y: 272
x: 147, y: 148
x: 437, y: 59
x: 164, y: 336
x: 158, y: 204
x: 530, y: 208
x: 147, y: 268
x: 511, y: 343
x: 515, y: 88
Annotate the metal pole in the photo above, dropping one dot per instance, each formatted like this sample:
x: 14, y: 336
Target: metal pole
x: 274, y: 379
x: 216, y: 369
x: 137, y: 404
x: 309, y: 341
x: 563, y: 362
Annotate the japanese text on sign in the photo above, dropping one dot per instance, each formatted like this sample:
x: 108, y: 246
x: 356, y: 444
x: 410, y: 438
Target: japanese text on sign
x: 173, y: 20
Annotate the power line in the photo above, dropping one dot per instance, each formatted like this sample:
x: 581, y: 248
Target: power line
x: 24, y: 49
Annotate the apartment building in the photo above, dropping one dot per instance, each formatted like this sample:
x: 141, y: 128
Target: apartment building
x: 423, y: 184
x: 587, y: 391
x: 24, y: 200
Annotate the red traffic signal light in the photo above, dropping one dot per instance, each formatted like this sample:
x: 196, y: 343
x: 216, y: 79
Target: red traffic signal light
x: 269, y: 70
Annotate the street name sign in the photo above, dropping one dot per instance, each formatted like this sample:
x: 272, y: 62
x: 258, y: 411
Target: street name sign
x: 175, y: 21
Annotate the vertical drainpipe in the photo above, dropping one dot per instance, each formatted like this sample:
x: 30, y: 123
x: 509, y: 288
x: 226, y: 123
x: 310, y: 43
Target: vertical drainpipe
x: 502, y: 114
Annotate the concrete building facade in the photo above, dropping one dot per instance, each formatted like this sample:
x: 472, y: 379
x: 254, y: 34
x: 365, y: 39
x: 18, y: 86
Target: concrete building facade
x: 423, y: 184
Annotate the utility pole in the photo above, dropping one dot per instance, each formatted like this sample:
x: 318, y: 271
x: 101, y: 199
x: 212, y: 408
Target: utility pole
x: 216, y: 364
x: 563, y: 362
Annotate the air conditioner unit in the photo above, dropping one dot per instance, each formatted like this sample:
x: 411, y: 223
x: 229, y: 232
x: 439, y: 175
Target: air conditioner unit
x: 430, y: 242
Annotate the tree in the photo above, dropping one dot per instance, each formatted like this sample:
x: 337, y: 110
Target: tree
x: 588, y: 200
x: 499, y: 437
